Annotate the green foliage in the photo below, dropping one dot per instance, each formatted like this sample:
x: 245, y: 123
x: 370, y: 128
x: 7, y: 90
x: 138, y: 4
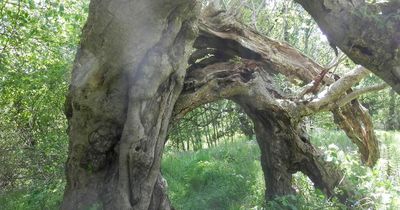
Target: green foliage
x: 384, y: 106
x: 323, y: 139
x: 229, y: 176
x: 47, y: 196
x: 225, y: 177
x: 316, y: 200
x: 381, y: 184
x: 37, y: 45
x: 209, y: 125
x: 289, y: 22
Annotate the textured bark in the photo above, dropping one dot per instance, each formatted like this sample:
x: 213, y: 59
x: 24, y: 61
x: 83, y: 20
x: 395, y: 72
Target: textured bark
x: 223, y: 38
x: 127, y: 76
x: 368, y: 33
x: 285, y: 149
x: 229, y: 38
x: 357, y: 124
x: 275, y: 151
x: 393, y: 121
x: 236, y: 63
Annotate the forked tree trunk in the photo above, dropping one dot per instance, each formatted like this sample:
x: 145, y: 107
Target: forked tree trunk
x: 127, y: 76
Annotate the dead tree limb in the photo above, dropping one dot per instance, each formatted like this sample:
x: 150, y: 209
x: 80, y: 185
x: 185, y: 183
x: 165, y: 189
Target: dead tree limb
x: 247, y: 79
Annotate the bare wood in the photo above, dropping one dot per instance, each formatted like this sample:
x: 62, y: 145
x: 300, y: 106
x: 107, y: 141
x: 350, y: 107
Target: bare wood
x: 225, y: 34
x: 358, y: 92
x: 367, y: 33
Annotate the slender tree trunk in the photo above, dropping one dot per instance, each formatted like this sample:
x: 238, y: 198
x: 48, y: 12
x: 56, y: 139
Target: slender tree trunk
x: 207, y: 123
x: 307, y: 34
x: 285, y: 23
x: 127, y: 76
x: 206, y: 131
x: 182, y: 142
x: 392, y: 122
x: 231, y: 131
x: 187, y: 142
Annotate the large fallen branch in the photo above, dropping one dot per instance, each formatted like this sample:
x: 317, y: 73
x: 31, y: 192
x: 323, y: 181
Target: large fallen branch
x: 222, y: 38
x: 234, y: 62
x: 284, y: 147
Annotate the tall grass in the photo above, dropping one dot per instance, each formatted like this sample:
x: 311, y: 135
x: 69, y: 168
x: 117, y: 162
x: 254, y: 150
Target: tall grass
x: 225, y: 177
x: 230, y: 176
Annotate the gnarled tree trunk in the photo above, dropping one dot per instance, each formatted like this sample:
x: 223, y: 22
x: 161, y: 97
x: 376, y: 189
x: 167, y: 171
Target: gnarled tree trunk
x: 217, y: 72
x: 129, y: 72
x: 223, y: 38
x: 127, y: 76
x: 285, y: 149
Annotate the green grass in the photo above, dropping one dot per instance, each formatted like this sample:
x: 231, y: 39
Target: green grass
x: 37, y: 197
x: 230, y: 177
x: 225, y: 177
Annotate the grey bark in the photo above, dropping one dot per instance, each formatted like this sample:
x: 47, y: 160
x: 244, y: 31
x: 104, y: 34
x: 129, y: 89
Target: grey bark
x: 127, y: 76
x: 285, y: 149
x: 277, y: 117
x: 368, y: 33
x: 230, y: 39
x: 392, y: 122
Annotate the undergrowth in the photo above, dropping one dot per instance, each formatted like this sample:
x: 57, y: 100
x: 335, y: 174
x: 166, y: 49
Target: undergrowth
x: 230, y: 177
x: 225, y: 177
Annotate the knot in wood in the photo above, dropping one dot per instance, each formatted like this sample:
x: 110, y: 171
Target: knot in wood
x: 104, y: 137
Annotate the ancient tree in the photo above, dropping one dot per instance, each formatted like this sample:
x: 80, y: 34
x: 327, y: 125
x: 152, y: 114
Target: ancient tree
x: 131, y: 78
x: 234, y: 62
x: 127, y: 75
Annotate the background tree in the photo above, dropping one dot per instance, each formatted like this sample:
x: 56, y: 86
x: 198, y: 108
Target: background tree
x: 37, y: 43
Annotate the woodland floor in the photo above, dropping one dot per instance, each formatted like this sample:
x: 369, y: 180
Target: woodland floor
x: 229, y: 176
